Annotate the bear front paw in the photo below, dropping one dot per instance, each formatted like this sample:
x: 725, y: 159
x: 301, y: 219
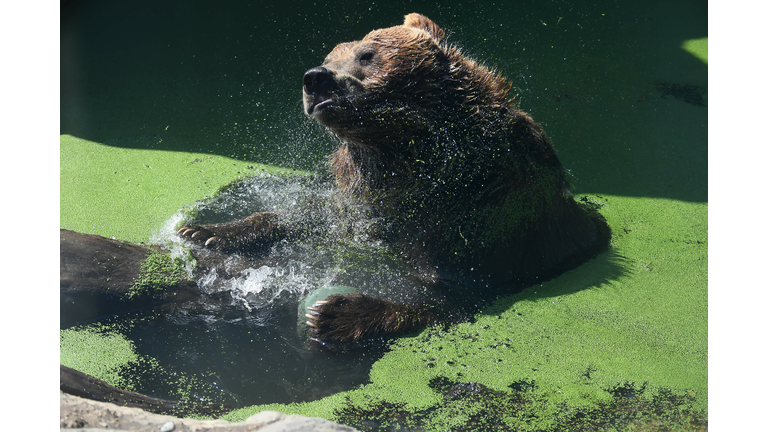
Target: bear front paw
x: 202, y: 235
x: 250, y: 234
x: 199, y: 234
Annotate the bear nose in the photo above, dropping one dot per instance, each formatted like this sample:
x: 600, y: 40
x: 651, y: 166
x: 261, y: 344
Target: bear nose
x: 317, y: 80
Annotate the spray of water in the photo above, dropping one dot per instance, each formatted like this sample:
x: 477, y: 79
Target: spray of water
x: 287, y: 269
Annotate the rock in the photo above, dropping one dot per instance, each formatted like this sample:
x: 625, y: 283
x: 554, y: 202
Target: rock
x: 272, y: 421
x: 86, y: 415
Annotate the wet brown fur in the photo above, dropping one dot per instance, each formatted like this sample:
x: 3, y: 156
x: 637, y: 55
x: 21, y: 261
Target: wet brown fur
x: 472, y: 187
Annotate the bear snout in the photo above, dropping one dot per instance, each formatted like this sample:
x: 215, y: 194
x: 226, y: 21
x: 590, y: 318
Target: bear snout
x: 319, y: 84
x: 318, y: 80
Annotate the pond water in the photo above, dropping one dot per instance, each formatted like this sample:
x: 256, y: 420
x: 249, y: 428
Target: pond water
x: 245, y: 341
x: 227, y: 79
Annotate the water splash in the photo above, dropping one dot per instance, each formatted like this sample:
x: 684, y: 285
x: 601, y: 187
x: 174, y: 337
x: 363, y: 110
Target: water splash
x: 254, y: 282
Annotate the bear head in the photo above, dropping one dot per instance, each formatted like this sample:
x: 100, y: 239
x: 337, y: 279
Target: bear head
x: 404, y: 75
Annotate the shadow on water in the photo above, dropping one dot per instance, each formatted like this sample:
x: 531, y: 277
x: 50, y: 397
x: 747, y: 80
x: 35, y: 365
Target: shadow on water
x: 607, y: 267
x: 226, y: 79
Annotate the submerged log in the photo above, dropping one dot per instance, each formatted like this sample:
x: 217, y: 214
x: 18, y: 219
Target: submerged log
x: 101, y: 276
x: 79, y: 384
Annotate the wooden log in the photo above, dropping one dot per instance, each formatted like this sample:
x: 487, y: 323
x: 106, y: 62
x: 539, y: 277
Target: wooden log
x: 100, y: 276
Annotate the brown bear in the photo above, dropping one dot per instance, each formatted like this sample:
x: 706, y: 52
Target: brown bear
x: 464, y: 185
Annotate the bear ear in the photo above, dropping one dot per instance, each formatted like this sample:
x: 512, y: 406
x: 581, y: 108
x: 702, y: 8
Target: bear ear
x: 421, y: 22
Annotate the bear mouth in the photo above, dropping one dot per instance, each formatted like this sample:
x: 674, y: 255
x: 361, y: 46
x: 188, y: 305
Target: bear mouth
x: 319, y: 106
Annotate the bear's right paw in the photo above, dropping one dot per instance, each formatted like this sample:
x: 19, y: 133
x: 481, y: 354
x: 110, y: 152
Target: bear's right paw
x: 250, y: 234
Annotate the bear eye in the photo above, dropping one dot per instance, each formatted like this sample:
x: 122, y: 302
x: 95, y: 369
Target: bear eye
x: 366, y: 56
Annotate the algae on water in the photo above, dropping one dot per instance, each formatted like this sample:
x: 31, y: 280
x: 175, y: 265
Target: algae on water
x: 158, y: 272
x: 97, y: 352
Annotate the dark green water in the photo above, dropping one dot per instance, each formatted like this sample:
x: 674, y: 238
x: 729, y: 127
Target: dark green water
x: 226, y: 77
